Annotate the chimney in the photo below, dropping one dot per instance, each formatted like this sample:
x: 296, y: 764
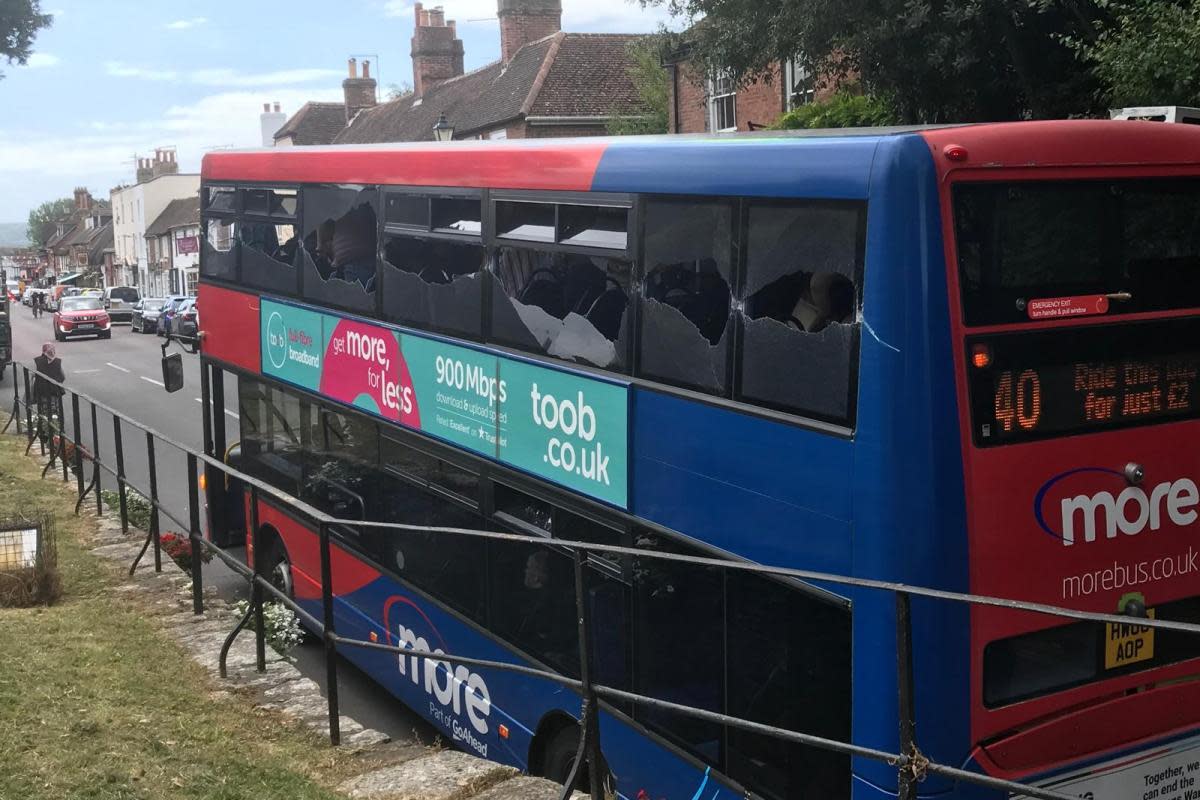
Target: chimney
x: 525, y: 21
x: 270, y: 122
x: 83, y: 199
x: 437, y: 52
x: 145, y: 170
x: 359, y: 92
x: 164, y: 162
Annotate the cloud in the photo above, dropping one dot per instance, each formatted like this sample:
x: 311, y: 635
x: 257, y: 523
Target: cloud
x: 184, y: 24
x: 222, y: 76
x: 283, y: 77
x: 39, y: 60
x: 119, y: 69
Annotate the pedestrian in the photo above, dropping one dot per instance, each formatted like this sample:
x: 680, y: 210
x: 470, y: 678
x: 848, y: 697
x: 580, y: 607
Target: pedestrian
x: 37, y: 304
x: 47, y: 395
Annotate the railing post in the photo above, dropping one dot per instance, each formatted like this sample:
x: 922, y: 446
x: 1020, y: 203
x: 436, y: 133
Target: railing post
x: 28, y: 406
x: 16, y: 397
x: 910, y: 769
x: 155, y: 532
x: 62, y: 437
x: 78, y: 441
x: 96, y: 463
x: 120, y: 451
x: 591, y: 709
x: 331, y: 680
x: 256, y: 590
x: 194, y: 536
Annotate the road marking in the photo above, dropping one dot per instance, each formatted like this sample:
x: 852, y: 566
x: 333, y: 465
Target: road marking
x: 116, y: 366
x: 84, y: 371
x: 151, y: 380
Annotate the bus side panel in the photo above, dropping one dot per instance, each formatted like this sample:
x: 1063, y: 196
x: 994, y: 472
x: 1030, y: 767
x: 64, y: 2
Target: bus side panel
x: 230, y: 326
x: 909, y: 506
x: 769, y: 492
x: 374, y: 607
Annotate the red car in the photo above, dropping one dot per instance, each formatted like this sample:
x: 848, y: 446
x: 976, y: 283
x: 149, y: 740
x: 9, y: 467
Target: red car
x: 82, y: 316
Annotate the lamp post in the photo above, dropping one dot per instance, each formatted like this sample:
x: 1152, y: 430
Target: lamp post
x: 443, y: 131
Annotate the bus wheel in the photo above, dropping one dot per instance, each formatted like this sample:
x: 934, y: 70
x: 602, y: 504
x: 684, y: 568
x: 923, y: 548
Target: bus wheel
x: 278, y: 568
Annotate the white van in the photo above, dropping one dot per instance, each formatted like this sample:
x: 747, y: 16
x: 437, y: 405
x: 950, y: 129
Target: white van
x: 120, y: 300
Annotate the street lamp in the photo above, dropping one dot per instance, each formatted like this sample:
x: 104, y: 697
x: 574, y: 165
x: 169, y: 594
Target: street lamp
x: 443, y: 131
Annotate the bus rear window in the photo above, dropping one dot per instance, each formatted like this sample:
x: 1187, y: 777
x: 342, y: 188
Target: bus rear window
x: 1134, y: 243
x: 1055, y: 659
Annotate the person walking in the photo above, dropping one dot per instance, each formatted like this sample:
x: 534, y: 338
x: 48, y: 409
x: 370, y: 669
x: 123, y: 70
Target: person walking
x: 47, y: 395
x: 38, y: 299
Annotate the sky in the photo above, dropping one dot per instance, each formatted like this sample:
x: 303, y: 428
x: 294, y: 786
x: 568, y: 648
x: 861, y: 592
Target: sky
x: 113, y: 79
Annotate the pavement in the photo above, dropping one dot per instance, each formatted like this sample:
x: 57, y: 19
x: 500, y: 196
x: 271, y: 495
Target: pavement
x: 124, y: 373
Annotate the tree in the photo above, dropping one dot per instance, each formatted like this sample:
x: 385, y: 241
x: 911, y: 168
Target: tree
x: 395, y: 91
x: 844, y: 109
x: 20, y: 20
x: 653, y: 88
x: 935, y: 60
x: 1147, y: 54
x: 44, y: 218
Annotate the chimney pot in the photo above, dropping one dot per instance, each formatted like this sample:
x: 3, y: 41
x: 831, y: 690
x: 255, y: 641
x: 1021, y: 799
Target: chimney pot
x: 453, y: 29
x: 276, y: 106
x: 417, y: 8
x: 266, y: 108
x: 366, y: 69
x: 352, y: 65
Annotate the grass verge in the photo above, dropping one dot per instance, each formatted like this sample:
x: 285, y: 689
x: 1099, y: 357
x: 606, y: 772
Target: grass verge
x: 96, y: 702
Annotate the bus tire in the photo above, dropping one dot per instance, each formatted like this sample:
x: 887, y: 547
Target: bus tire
x: 554, y: 755
x: 276, y: 564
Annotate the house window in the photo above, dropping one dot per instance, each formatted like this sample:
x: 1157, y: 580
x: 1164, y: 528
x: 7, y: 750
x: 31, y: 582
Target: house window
x: 722, y: 103
x: 798, y: 81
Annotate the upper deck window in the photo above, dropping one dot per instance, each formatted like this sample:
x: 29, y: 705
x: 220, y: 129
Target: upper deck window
x: 801, y: 307
x: 220, y: 199
x: 1130, y: 245
x: 687, y: 293
x: 534, y: 222
x: 280, y: 203
x: 340, y: 246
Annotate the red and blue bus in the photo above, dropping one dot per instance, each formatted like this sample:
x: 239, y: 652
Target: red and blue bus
x: 962, y: 358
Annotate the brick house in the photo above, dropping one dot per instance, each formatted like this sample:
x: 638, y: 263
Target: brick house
x: 80, y: 239
x: 546, y: 83
x: 700, y: 104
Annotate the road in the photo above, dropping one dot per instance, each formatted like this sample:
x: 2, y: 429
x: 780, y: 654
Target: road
x: 124, y: 373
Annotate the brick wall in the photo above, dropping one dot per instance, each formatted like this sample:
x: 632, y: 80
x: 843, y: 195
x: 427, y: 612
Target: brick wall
x: 563, y: 131
x: 759, y: 103
x: 437, y: 55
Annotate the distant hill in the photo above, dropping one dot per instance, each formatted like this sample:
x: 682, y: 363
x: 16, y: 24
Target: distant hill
x: 12, y: 234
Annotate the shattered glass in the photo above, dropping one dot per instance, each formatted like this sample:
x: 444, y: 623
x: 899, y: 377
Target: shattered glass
x: 685, y: 307
x: 269, y: 255
x: 568, y: 306
x: 434, y: 284
x: 784, y: 239
x: 218, y: 257
x: 788, y: 369
x: 340, y: 254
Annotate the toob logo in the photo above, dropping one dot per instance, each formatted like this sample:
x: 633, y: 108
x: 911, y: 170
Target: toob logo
x: 1082, y: 516
x: 277, y: 348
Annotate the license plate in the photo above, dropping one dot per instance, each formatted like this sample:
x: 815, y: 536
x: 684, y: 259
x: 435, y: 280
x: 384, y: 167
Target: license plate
x: 1128, y: 643
x: 84, y: 326
x: 1171, y: 772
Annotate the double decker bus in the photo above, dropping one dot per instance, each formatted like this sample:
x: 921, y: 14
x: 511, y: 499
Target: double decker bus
x: 961, y: 358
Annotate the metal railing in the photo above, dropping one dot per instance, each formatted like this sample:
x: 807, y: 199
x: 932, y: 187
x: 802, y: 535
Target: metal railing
x: 912, y: 765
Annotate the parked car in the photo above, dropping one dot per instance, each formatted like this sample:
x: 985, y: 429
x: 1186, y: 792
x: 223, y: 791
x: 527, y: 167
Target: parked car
x: 185, y: 319
x: 81, y: 316
x: 119, y: 300
x: 164, y: 318
x: 27, y: 297
x: 145, y: 313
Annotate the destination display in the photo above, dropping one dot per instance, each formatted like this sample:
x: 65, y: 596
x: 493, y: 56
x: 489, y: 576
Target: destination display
x: 561, y: 426
x: 1026, y: 388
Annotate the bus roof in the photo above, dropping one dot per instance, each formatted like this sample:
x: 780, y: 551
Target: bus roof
x: 822, y: 163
